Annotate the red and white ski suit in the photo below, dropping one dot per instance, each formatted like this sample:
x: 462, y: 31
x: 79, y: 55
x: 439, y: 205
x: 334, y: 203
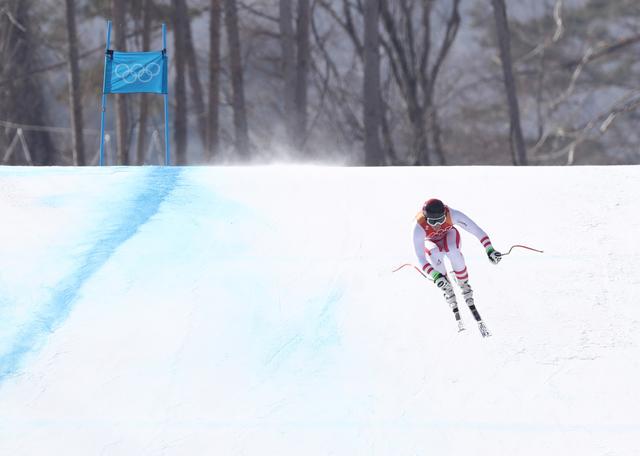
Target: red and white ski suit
x: 435, y: 242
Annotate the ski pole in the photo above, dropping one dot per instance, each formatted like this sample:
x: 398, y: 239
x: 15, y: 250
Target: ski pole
x: 414, y: 267
x: 522, y: 247
x: 504, y: 254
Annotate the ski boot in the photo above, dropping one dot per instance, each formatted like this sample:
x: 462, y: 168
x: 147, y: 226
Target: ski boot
x: 467, y: 294
x: 450, y: 297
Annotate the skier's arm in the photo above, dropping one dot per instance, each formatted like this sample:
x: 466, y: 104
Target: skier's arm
x: 418, y: 247
x: 458, y: 218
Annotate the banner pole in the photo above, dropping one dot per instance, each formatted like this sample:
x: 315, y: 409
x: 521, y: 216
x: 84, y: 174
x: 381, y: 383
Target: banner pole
x: 104, y: 96
x: 167, y: 157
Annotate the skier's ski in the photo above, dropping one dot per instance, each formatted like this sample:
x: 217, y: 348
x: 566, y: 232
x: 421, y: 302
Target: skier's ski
x: 456, y: 314
x: 481, y: 325
x: 451, y: 300
x: 483, y: 329
x: 474, y: 311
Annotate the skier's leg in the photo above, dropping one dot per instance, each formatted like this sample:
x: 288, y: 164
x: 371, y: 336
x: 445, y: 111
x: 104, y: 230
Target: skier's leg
x: 452, y: 248
x: 436, y: 258
x: 435, y: 255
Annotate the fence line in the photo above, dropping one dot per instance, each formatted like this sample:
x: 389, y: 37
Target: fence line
x: 154, y: 148
x: 24, y: 127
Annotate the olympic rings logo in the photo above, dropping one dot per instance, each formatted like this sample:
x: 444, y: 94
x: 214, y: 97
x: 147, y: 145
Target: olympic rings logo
x: 137, y: 72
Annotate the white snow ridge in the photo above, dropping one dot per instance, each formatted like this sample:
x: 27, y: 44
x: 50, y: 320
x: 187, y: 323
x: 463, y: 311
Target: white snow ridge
x: 253, y: 311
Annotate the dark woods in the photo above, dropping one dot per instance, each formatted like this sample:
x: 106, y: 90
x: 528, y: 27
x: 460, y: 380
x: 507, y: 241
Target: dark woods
x: 353, y: 82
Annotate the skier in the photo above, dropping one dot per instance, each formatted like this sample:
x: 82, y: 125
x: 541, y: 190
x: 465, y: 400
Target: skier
x: 435, y: 235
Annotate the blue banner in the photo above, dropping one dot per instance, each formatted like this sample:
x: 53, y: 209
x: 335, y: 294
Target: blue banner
x: 136, y: 72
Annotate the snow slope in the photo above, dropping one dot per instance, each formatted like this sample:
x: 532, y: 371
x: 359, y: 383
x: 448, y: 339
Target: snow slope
x: 253, y: 311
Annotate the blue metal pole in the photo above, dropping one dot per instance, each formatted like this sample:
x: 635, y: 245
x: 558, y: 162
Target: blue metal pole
x: 167, y: 157
x: 104, y: 95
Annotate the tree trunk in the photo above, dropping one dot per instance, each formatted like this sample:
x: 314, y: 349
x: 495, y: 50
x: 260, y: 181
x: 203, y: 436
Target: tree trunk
x: 436, y: 136
x: 239, y: 110
x: 421, y: 148
x: 389, y: 148
x: 213, y: 139
x: 180, y: 90
x: 518, y: 150
x: 288, y: 69
x: 194, y: 81
x: 415, y: 62
x: 303, y: 59
x: 144, y: 98
x: 75, y: 102
x: 371, y: 90
x: 22, y: 100
x: 120, y: 44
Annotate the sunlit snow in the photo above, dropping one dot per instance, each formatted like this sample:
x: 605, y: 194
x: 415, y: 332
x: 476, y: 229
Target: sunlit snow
x: 253, y: 311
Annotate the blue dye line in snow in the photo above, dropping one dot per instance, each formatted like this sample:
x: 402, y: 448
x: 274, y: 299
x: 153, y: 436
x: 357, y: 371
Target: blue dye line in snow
x: 157, y: 185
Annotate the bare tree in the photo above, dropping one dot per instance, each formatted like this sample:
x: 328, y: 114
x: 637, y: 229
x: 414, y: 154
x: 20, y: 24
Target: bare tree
x: 409, y: 56
x: 120, y: 44
x: 340, y: 94
x: 237, y: 80
x: 414, y: 59
x: 75, y: 99
x: 213, y: 140
x: 518, y: 150
x: 21, y: 98
x: 302, y: 70
x: 288, y: 68
x: 295, y: 67
x: 371, y: 90
x: 194, y: 81
x: 144, y: 98
x: 180, y: 116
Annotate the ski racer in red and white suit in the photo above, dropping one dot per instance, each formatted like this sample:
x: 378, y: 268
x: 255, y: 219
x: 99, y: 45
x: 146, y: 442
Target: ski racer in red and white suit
x: 444, y: 239
x: 435, y: 236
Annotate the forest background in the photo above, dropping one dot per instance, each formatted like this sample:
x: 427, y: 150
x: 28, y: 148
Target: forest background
x: 347, y: 82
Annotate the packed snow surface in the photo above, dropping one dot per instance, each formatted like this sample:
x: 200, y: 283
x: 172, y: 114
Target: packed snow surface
x: 254, y: 311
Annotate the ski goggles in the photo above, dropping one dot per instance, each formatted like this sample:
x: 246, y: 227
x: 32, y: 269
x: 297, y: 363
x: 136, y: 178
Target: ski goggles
x: 435, y: 221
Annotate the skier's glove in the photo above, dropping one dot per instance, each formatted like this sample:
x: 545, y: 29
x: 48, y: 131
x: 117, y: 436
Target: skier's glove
x: 442, y: 282
x: 494, y: 255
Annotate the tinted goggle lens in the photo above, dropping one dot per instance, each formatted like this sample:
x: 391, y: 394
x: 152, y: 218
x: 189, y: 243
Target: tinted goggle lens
x: 436, y: 220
